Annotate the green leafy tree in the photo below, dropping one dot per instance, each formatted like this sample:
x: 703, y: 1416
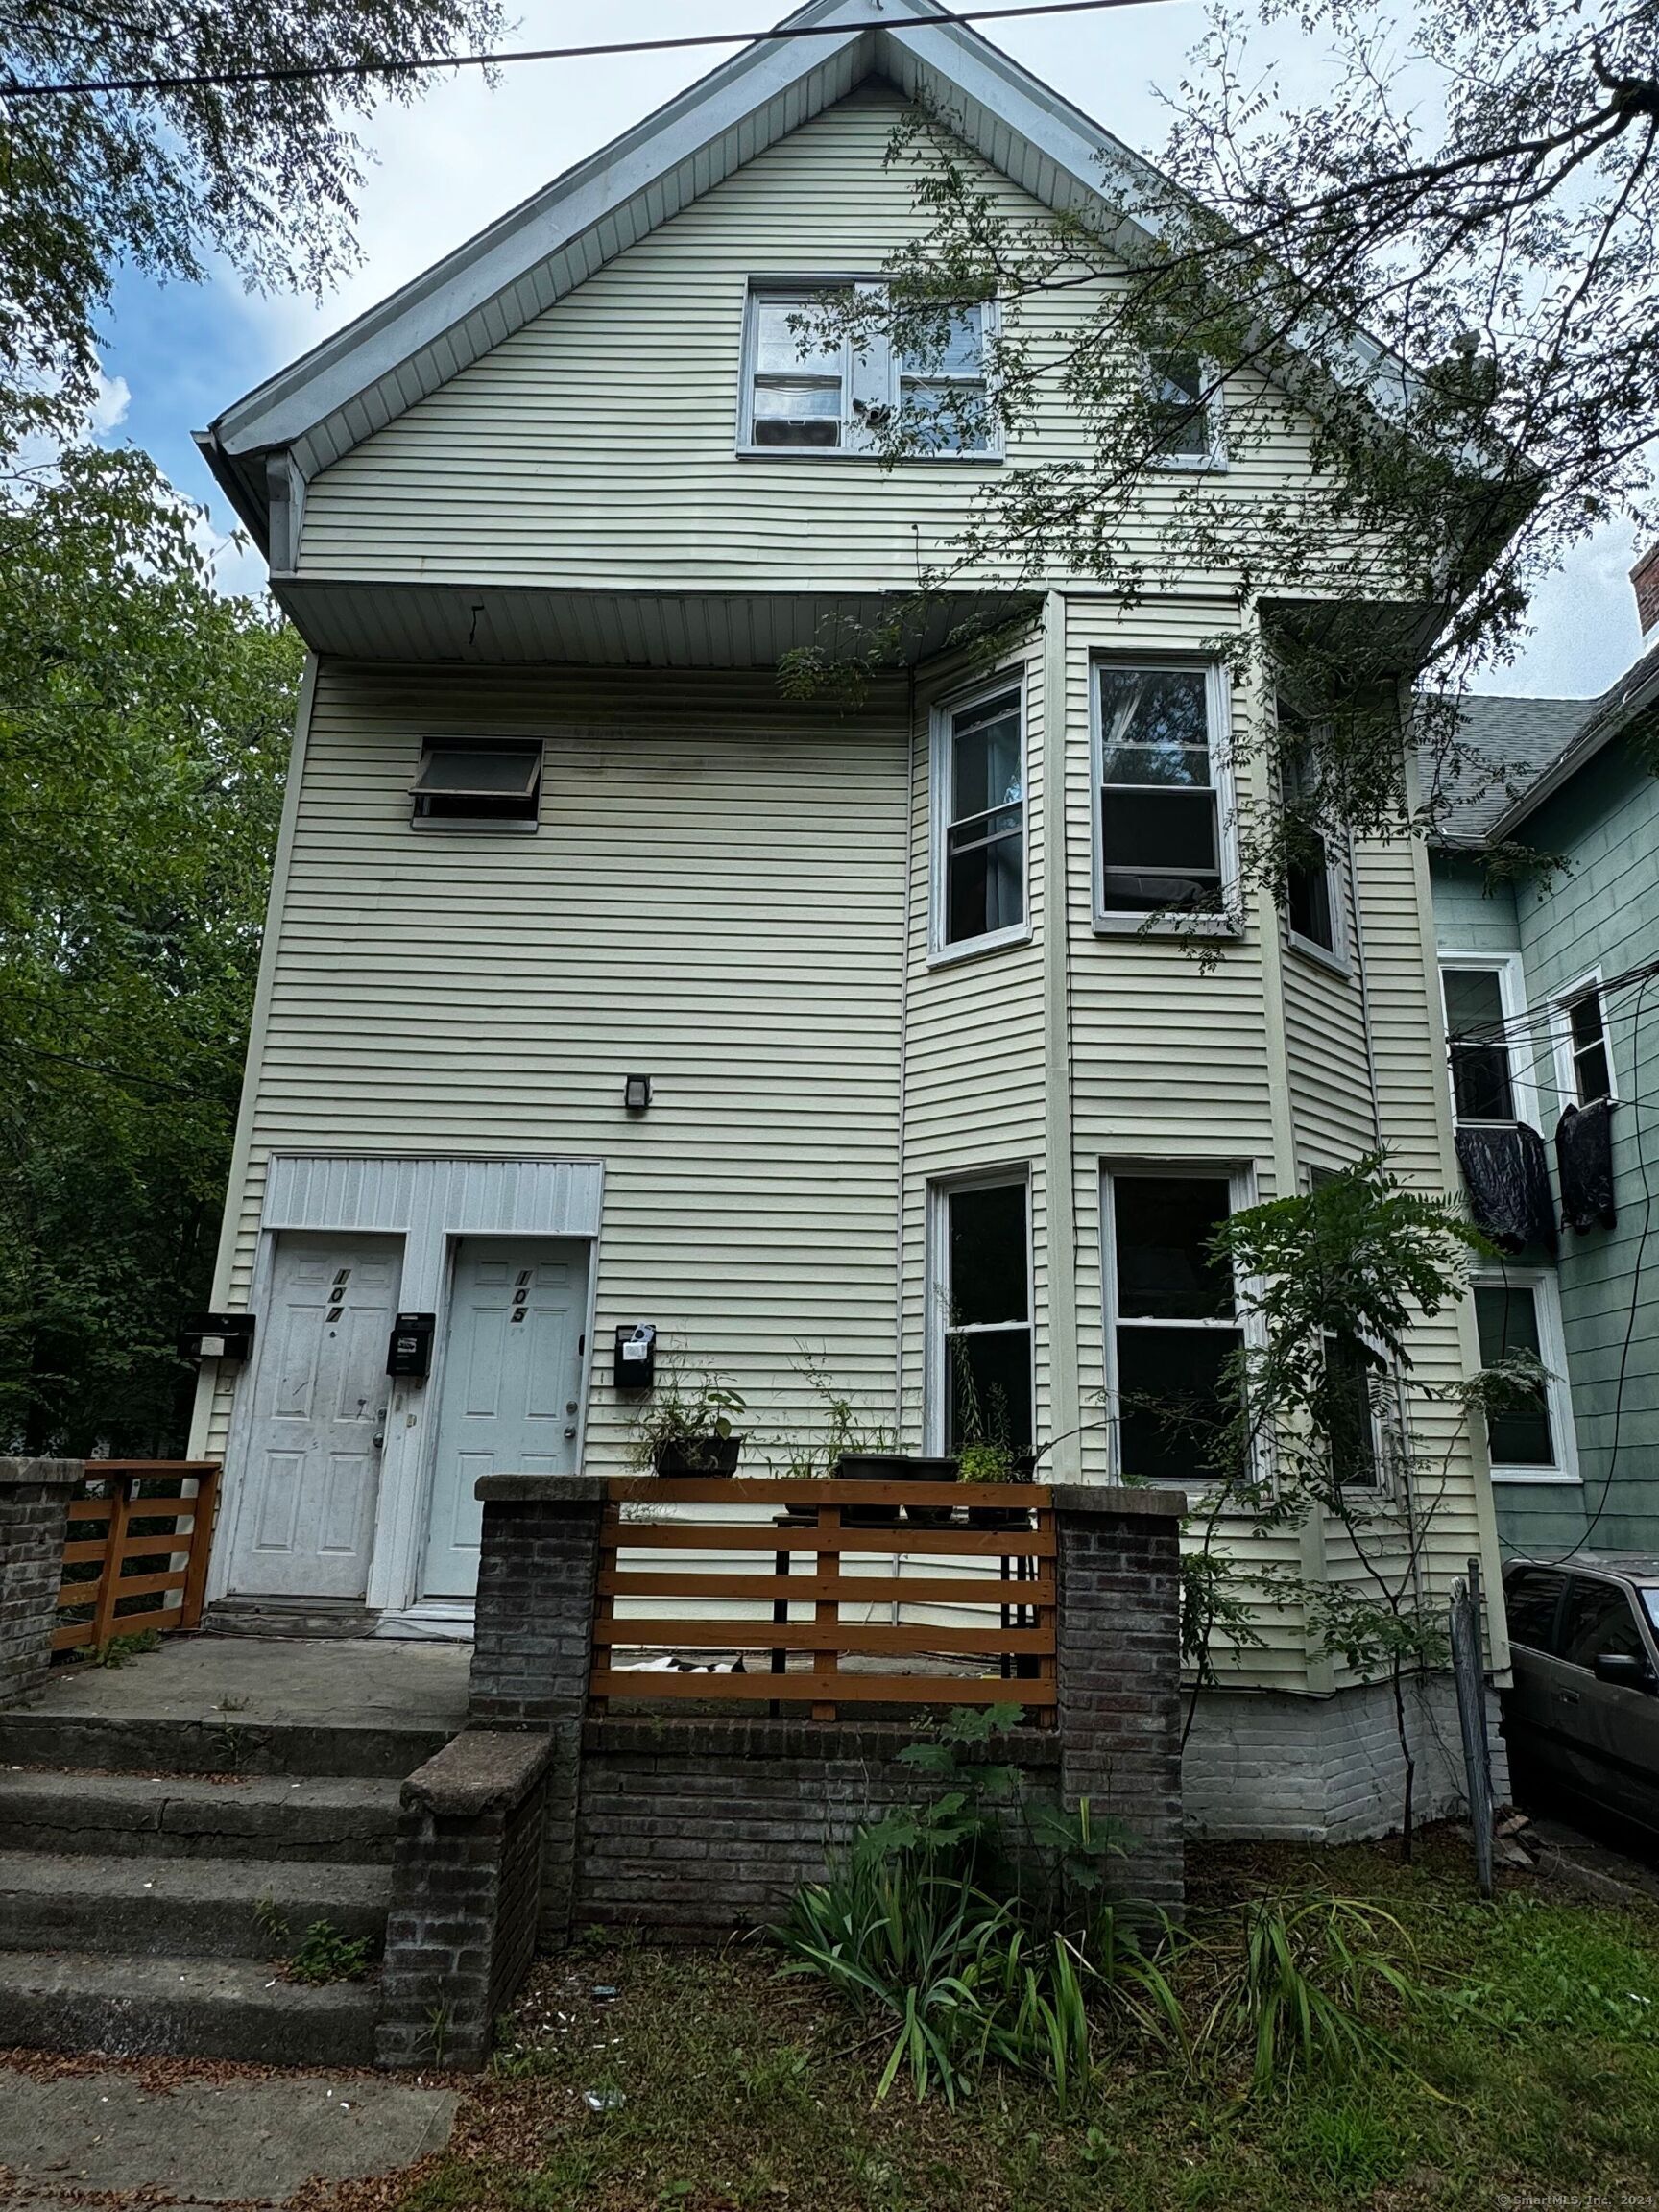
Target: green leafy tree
x: 144, y: 722
x: 1438, y: 283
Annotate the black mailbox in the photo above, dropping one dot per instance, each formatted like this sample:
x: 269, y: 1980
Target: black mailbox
x: 410, y: 1351
x: 635, y: 1365
x: 216, y: 1336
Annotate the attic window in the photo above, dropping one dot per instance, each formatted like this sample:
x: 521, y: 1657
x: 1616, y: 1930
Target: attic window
x: 478, y: 784
x: 1185, y: 412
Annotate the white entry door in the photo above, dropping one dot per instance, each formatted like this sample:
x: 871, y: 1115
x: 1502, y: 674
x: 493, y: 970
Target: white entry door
x: 306, y: 1523
x: 510, y: 1390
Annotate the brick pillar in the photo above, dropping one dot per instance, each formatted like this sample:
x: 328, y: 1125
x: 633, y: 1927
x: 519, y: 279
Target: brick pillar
x: 34, y: 1497
x: 533, y: 1636
x: 1118, y: 1641
x: 466, y: 1882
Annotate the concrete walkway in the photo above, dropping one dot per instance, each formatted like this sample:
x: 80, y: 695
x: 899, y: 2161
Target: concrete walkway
x: 201, y: 2142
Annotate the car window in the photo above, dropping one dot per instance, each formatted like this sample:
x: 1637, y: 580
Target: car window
x: 1530, y: 1599
x: 1651, y: 1599
x: 1598, y: 1618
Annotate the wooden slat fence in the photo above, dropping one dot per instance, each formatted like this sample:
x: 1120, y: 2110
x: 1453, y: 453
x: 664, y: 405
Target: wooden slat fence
x: 136, y: 1553
x: 790, y: 1612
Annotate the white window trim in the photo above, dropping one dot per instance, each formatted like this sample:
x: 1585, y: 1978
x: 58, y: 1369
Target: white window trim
x: 884, y: 371
x: 1218, y: 710
x: 1214, y: 458
x: 940, y: 1192
x: 940, y: 723
x: 1339, y: 879
x: 1561, y: 1037
x: 1512, y: 997
x: 1546, y: 1290
x: 1242, y: 1191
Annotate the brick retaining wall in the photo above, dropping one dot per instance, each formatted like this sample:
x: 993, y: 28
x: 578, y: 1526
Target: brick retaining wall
x: 35, y: 1496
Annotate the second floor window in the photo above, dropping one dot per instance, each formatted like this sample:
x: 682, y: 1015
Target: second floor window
x: 1583, y: 1062
x: 1482, y: 1064
x: 979, y: 791
x: 1160, y: 833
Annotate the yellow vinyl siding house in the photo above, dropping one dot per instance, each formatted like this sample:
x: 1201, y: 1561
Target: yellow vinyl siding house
x: 520, y: 513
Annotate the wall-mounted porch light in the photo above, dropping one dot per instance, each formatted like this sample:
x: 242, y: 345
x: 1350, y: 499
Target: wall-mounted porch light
x: 637, y: 1092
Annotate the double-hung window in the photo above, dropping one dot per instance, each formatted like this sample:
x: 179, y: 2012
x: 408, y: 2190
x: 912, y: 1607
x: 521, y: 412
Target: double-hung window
x: 1529, y: 1428
x: 1172, y: 1320
x: 979, y: 806
x: 942, y: 389
x: 982, y: 1299
x: 1162, y: 821
x: 1185, y: 412
x: 853, y: 391
x: 1312, y: 884
x: 798, y: 388
x: 1583, y: 1058
x: 1481, y: 997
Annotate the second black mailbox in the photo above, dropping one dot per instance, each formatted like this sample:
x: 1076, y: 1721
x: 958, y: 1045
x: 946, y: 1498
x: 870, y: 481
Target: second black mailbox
x: 410, y: 1351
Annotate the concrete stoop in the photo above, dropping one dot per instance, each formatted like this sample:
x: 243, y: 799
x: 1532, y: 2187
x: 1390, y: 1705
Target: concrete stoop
x: 158, y: 1866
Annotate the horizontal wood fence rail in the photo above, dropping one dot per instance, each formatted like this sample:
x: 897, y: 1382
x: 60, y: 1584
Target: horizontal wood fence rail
x: 143, y: 1526
x: 807, y: 1528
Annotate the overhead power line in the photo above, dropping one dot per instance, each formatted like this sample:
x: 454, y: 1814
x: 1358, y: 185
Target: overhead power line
x: 391, y: 66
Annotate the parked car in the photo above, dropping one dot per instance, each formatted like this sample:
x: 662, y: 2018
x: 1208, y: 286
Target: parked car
x: 1583, y: 1716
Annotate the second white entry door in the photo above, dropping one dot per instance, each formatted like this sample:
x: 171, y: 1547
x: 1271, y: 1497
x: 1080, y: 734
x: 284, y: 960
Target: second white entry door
x: 510, y: 1387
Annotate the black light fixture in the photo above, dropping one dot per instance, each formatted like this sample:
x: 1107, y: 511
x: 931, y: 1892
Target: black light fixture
x: 637, y: 1092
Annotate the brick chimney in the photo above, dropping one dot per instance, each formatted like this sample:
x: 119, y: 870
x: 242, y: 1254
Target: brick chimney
x: 1644, y: 580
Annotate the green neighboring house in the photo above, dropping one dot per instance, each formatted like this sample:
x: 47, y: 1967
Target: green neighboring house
x: 1548, y: 1007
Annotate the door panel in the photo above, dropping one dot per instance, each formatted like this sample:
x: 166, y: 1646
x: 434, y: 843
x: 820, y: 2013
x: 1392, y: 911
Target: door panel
x: 510, y: 1388
x: 312, y: 1476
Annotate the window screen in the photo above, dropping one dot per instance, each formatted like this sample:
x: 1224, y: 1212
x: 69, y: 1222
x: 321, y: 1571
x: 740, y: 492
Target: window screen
x: 798, y: 394
x: 1529, y: 1599
x: 984, y: 807
x: 1519, y: 1428
x: 1598, y: 1618
x: 1482, y: 1080
x: 1587, y: 1044
x: 1180, y: 411
x: 988, y: 1318
x: 1176, y: 1323
x: 460, y: 783
x: 1160, y: 818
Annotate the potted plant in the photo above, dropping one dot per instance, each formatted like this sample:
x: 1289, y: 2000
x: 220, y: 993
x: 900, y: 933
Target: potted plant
x: 687, y: 1431
x: 984, y: 1463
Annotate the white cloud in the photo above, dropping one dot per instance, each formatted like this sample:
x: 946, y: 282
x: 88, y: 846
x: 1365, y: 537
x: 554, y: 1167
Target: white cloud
x: 110, y: 400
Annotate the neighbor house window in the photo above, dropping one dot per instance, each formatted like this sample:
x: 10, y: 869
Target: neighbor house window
x: 983, y: 1301
x: 1161, y: 834
x: 1313, y: 897
x: 1184, y: 411
x: 798, y: 387
x: 1478, y: 996
x: 1173, y: 1322
x: 942, y: 389
x: 979, y: 804
x: 1584, y: 1061
x: 478, y: 784
x: 1529, y: 1428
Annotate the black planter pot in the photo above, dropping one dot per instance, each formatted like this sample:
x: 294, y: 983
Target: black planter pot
x: 700, y: 1458
x: 930, y: 1471
x: 1019, y: 1470
x: 871, y: 1467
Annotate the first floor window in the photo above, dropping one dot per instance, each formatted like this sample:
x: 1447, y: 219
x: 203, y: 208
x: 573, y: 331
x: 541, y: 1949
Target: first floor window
x: 980, y: 791
x: 1174, y: 1322
x: 986, y: 1304
x: 1352, y: 1379
x: 1160, y: 829
x: 1586, y: 1067
x: 1529, y: 1425
x: 1482, y: 1069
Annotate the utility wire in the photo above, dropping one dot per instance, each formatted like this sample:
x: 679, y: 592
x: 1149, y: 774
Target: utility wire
x: 301, y: 71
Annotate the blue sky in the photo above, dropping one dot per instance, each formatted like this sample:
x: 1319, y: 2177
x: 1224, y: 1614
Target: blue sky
x: 448, y: 165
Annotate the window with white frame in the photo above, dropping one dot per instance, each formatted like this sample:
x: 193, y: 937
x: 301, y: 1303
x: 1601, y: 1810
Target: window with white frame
x: 979, y: 807
x: 472, y: 784
x: 1583, y: 1053
x: 1172, y: 1318
x: 1312, y: 885
x: 1161, y: 827
x: 1486, y: 1078
x: 1530, y: 1425
x: 853, y: 393
x: 983, y: 1315
x: 1185, y: 409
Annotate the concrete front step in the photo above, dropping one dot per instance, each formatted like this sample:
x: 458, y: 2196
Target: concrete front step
x: 191, y: 1908
x: 369, y: 1750
x: 181, y: 1816
x: 185, y: 2007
